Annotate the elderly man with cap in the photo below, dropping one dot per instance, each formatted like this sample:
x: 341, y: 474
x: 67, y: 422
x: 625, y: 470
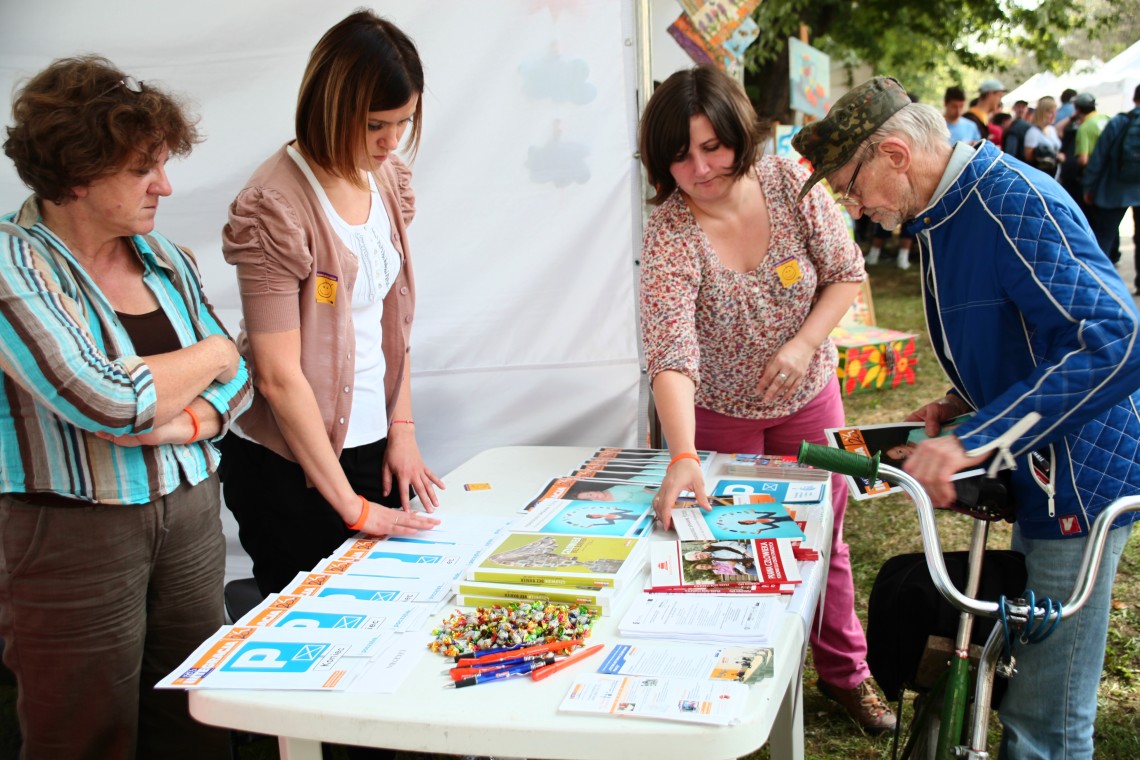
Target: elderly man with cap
x: 1026, y: 314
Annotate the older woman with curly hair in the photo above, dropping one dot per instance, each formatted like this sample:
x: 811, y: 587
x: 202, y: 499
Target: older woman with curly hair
x: 116, y: 380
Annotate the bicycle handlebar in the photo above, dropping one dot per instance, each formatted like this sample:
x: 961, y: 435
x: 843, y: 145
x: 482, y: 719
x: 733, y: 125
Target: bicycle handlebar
x: 860, y: 466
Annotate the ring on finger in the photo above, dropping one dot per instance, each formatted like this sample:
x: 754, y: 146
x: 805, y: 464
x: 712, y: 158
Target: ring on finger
x: 783, y: 375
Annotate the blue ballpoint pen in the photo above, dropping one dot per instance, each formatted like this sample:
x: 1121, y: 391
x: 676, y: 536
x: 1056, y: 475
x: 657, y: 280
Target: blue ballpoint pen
x: 516, y: 671
x: 485, y: 652
x: 490, y: 667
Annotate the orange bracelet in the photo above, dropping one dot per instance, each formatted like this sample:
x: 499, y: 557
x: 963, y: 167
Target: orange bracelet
x: 406, y: 422
x: 196, y: 423
x: 686, y: 455
x: 365, y: 507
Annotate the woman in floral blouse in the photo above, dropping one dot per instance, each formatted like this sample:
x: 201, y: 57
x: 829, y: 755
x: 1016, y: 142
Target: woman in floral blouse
x: 740, y: 286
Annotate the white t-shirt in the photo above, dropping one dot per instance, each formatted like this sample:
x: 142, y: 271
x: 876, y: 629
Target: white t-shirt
x: 371, y: 243
x: 1035, y: 136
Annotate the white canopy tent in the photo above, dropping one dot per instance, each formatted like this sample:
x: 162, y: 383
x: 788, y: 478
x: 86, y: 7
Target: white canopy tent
x: 1112, y: 83
x: 529, y: 191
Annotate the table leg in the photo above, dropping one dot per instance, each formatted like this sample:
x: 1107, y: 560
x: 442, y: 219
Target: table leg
x: 298, y: 749
x: 786, y: 741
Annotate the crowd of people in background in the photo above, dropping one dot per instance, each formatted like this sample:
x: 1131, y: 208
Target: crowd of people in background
x: 1059, y: 139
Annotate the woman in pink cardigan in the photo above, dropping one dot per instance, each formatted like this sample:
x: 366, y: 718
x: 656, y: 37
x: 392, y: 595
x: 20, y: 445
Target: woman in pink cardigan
x: 319, y: 239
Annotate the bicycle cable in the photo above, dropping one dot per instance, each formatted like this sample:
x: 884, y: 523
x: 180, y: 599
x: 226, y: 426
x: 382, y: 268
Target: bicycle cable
x: 1038, y: 629
x: 1003, y: 616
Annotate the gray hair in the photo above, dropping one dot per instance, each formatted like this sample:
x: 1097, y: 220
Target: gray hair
x: 920, y: 124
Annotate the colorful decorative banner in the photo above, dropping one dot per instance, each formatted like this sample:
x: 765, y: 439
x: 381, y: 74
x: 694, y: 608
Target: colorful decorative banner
x: 810, y: 72
x: 707, y: 31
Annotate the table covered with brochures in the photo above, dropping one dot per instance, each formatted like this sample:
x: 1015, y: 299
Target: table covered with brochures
x: 603, y: 706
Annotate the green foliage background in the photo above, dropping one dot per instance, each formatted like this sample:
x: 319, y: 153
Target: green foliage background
x: 931, y: 44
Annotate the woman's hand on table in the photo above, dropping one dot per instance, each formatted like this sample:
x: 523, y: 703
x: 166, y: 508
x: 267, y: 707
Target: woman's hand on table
x: 785, y: 371
x: 404, y: 467
x: 682, y: 475
x: 383, y: 521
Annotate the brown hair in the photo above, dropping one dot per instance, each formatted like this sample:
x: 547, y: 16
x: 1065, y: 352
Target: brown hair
x: 364, y: 63
x: 77, y: 121
x: 663, y: 136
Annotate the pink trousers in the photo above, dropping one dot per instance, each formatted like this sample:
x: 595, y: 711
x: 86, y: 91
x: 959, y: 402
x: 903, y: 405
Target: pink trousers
x: 839, y: 646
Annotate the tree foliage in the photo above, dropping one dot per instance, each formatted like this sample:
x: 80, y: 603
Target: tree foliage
x: 926, y: 44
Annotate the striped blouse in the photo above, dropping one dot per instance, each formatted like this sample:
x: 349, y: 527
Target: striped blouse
x: 68, y: 370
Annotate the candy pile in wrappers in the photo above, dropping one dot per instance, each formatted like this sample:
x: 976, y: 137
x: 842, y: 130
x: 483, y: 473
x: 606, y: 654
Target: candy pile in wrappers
x: 513, y: 624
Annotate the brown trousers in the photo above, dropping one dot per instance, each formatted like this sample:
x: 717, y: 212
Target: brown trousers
x: 97, y: 603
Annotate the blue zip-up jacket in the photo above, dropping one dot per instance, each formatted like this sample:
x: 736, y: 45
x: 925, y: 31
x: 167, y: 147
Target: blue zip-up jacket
x: 1026, y: 314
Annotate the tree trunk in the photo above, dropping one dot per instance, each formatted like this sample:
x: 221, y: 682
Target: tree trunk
x: 769, y: 88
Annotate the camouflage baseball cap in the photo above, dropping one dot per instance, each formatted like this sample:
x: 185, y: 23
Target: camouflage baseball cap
x: 833, y: 141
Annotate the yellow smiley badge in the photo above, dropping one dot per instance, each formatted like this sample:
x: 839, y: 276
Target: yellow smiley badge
x: 789, y: 272
x: 326, y: 288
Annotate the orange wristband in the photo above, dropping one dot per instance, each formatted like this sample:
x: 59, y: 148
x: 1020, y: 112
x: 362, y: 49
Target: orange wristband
x: 405, y: 422
x: 196, y: 423
x: 365, y: 507
x: 686, y: 455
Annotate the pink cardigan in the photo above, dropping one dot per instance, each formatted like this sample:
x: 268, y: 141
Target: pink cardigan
x: 294, y: 271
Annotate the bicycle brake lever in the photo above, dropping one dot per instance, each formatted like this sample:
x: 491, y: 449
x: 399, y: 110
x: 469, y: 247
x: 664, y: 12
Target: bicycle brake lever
x: 1003, y: 459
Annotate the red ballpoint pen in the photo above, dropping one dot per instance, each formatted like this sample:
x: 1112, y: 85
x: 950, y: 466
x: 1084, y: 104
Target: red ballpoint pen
x: 549, y: 670
x: 462, y: 672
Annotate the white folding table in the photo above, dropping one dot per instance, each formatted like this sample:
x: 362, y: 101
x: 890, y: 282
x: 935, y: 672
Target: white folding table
x: 520, y: 718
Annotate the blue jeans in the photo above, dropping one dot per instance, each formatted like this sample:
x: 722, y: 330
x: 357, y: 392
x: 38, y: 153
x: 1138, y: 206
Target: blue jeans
x: 1050, y: 706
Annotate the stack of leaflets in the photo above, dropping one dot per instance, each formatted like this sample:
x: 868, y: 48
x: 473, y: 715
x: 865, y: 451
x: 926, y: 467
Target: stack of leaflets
x: 340, y: 626
x: 587, y: 517
x: 729, y: 618
x: 614, y: 475
x: 772, y: 466
x: 713, y: 662
x: 556, y: 560
x: 598, y: 601
x: 690, y: 700
x: 290, y: 611
x: 759, y: 566
x: 420, y: 567
x: 745, y: 509
x: 594, y: 489
x: 632, y: 465
x: 267, y: 657
x: 624, y: 456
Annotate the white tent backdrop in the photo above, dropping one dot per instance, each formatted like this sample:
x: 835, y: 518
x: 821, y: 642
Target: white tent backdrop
x: 529, y: 200
x: 1113, y: 83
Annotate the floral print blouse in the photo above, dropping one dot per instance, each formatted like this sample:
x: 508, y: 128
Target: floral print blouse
x: 720, y: 327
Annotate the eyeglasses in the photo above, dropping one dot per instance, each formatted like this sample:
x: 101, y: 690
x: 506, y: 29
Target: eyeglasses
x: 128, y: 83
x: 845, y: 198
